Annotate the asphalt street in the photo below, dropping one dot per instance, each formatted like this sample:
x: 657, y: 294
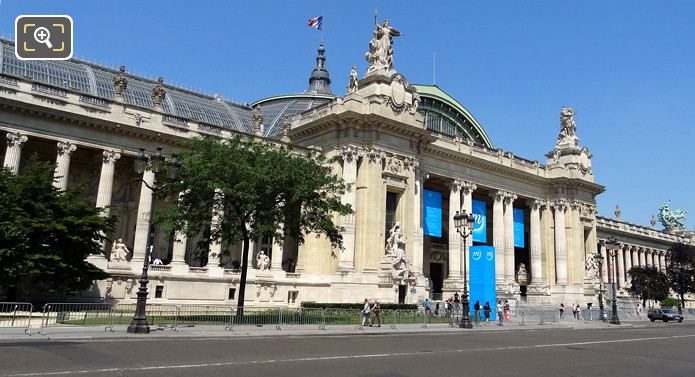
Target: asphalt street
x: 653, y: 350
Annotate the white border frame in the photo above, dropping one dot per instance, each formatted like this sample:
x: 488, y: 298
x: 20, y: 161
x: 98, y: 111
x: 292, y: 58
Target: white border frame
x: 72, y: 31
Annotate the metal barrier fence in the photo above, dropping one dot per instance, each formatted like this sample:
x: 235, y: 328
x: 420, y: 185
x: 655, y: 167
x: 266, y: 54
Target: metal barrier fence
x: 19, y: 315
x: 75, y: 314
x: 16, y: 314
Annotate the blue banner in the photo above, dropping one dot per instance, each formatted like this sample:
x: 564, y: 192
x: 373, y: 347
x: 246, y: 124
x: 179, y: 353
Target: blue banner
x: 480, y: 225
x: 518, y: 227
x: 482, y: 279
x: 433, y: 213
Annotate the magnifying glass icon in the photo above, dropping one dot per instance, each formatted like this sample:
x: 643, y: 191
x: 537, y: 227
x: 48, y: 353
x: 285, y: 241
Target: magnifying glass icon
x: 42, y: 35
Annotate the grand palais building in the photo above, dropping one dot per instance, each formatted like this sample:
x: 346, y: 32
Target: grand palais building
x: 412, y: 155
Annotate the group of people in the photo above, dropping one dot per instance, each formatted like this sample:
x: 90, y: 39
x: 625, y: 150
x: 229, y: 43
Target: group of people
x: 371, y: 312
x: 576, y: 311
x: 453, y: 304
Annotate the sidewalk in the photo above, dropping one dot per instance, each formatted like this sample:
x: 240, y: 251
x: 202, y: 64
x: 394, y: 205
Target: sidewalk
x: 119, y: 332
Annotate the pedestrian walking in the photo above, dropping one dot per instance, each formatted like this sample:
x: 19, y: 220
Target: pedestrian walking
x: 579, y: 311
x: 638, y: 311
x: 366, y: 310
x: 487, y: 311
x: 426, y: 306
x: 500, y: 313
x: 506, y: 310
x: 476, y: 309
x: 457, y: 303
x: 376, y: 313
x: 436, y: 309
x: 562, y: 310
x: 574, y: 311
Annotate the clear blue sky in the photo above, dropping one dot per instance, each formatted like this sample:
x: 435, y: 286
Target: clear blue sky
x: 628, y: 68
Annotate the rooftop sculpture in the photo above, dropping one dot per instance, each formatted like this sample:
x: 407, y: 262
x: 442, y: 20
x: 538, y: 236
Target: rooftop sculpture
x: 672, y: 220
x: 380, y: 55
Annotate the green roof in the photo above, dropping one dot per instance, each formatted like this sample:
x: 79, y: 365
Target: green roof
x: 434, y: 92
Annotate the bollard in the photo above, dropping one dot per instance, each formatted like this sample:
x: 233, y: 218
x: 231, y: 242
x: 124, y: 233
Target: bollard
x: 523, y: 319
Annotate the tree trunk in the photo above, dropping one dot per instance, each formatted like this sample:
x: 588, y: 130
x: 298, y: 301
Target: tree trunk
x: 244, y: 271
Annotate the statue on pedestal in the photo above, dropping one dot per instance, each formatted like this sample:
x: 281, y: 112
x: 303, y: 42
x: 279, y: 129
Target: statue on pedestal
x: 262, y: 261
x: 522, y: 275
x: 672, y: 220
x: 395, y: 252
x: 568, y: 129
x: 119, y: 251
x: 380, y: 55
x: 352, y: 83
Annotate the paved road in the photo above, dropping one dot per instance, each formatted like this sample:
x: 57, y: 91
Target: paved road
x: 653, y: 350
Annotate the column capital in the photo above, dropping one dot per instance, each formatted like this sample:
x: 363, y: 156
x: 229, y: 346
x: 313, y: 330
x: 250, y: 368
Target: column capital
x: 454, y: 185
x: 497, y: 195
x: 15, y: 139
x: 375, y: 155
x: 559, y: 205
x: 509, y: 197
x: 537, y: 204
x: 66, y: 147
x: 110, y: 157
x: 350, y: 153
x: 468, y: 187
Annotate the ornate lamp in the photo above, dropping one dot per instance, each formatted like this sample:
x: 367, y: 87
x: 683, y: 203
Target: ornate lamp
x: 463, y: 223
x: 611, y: 244
x: 599, y: 261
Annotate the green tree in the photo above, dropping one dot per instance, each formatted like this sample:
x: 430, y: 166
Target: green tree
x: 648, y: 283
x: 681, y: 270
x: 255, y: 187
x: 45, y: 234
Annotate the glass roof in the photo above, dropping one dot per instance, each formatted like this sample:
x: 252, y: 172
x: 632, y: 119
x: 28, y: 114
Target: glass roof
x: 93, y: 80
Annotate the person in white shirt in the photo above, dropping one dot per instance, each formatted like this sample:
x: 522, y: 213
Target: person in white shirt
x: 500, y: 313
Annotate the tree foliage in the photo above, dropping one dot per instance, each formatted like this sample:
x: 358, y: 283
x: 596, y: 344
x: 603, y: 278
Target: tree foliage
x: 255, y: 186
x: 681, y: 270
x: 648, y: 283
x: 45, y: 234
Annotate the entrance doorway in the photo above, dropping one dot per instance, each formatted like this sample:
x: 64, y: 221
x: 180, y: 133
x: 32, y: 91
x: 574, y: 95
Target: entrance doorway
x: 401, y: 294
x: 437, y: 278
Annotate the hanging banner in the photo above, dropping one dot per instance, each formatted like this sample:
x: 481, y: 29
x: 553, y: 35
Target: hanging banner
x: 480, y: 225
x: 482, y: 279
x: 518, y: 227
x: 433, y: 213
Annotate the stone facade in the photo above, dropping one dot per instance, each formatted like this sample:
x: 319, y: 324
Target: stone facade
x: 388, y: 153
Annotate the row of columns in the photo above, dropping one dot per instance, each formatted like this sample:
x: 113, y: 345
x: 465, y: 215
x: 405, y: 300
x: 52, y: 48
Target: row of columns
x: 629, y: 256
x: 502, y: 233
x: 15, y: 142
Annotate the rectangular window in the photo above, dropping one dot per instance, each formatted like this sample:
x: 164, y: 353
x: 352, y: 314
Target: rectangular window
x: 231, y: 294
x: 158, y: 291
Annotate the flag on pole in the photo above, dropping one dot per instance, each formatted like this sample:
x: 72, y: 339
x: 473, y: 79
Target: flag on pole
x: 316, y: 22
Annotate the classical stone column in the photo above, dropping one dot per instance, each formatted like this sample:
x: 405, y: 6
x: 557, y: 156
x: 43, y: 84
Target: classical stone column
x: 454, y: 238
x: 498, y: 235
x: 640, y: 254
x: 621, y: 267
x: 654, y: 261
x: 467, y: 189
x: 662, y: 267
x: 560, y: 243
x: 277, y: 252
x: 178, y: 255
x: 628, y: 259
x: 108, y: 166
x: 509, y: 237
x: 535, y: 244
x: 215, y: 248
x: 13, y: 153
x: 350, y: 155
x: 65, y: 149
x: 418, y: 232
x: 142, y: 225
x: 604, y: 266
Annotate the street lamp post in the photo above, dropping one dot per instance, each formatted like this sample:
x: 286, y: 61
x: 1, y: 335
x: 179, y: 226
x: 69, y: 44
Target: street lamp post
x: 139, y: 325
x: 599, y: 262
x: 464, y: 226
x: 611, y: 244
